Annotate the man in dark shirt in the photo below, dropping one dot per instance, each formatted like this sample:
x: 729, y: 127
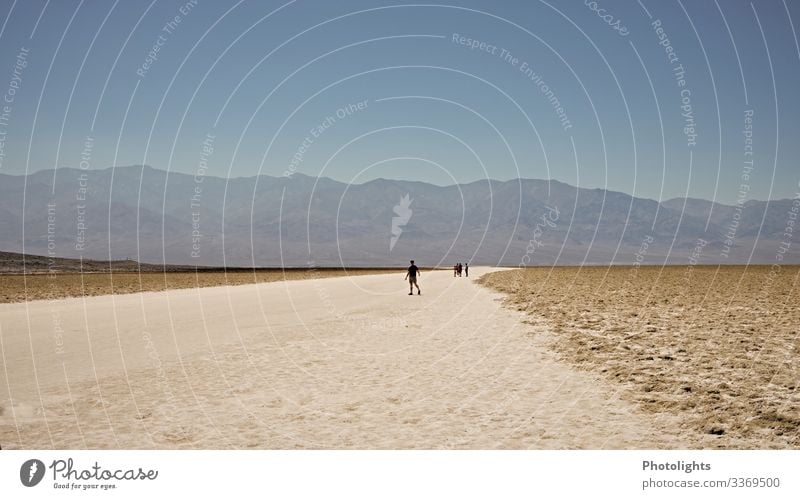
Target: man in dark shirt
x: 411, y: 275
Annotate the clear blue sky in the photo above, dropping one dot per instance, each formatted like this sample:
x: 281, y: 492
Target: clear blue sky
x: 260, y: 75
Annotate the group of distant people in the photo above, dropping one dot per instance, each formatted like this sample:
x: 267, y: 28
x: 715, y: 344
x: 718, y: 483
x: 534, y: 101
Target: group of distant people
x: 413, y: 272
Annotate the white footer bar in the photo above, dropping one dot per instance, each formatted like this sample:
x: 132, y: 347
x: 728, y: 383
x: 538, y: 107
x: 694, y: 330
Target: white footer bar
x: 382, y: 474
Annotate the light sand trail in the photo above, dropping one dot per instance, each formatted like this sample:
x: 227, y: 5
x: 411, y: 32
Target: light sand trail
x: 325, y: 363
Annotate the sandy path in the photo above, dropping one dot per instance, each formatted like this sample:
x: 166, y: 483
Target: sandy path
x: 328, y: 363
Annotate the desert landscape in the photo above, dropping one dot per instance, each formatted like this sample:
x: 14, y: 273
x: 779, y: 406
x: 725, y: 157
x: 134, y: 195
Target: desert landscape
x: 538, y: 358
x: 568, y: 227
x: 336, y: 363
x: 715, y: 346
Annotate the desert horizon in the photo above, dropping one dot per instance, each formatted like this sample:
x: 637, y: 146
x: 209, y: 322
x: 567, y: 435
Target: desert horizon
x: 597, y: 394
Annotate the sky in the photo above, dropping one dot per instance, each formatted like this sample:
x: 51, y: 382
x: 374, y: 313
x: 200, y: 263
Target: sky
x: 658, y: 99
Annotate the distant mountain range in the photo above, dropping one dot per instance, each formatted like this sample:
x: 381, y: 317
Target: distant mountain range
x: 150, y: 215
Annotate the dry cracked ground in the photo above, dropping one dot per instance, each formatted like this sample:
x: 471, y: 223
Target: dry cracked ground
x: 715, y: 345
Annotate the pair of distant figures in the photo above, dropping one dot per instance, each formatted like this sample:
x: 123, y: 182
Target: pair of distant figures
x: 413, y: 272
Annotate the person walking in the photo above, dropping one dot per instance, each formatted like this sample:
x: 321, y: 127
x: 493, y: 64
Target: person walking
x: 466, y: 269
x: 411, y: 275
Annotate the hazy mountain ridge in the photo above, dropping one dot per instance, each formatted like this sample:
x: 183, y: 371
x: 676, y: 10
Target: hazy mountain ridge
x: 276, y: 220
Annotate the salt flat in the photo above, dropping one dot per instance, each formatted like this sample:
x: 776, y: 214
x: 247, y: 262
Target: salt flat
x: 344, y: 362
